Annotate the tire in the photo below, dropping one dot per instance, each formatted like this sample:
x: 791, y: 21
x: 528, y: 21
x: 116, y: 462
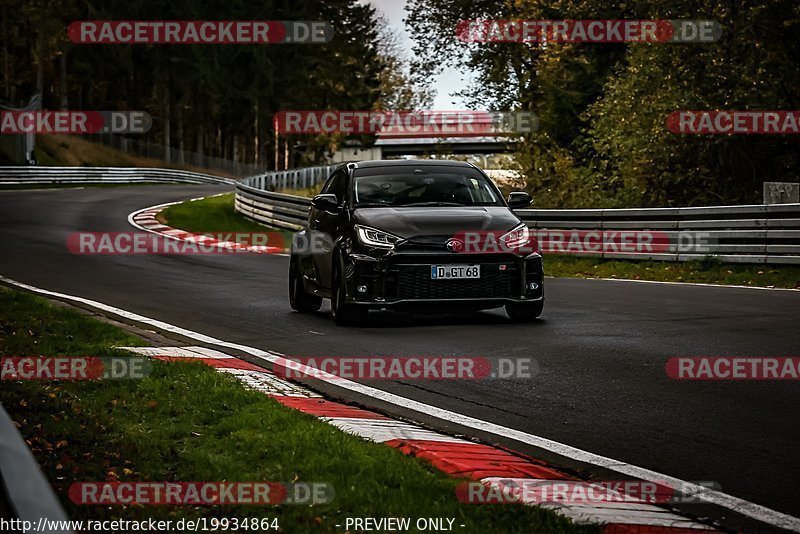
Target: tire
x: 299, y: 300
x: 524, y: 312
x: 343, y: 314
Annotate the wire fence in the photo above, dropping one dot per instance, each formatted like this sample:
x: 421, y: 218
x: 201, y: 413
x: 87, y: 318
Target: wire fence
x: 176, y: 156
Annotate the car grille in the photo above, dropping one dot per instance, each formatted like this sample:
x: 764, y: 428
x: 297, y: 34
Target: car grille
x: 414, y: 282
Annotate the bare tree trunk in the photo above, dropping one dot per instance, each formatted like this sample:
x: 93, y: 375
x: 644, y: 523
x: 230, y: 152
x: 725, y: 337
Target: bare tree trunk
x: 166, y: 118
x: 277, y: 148
x: 256, y: 138
x: 62, y: 81
x: 6, y: 81
x: 179, y: 132
x: 40, y: 68
x: 200, y: 137
x: 228, y: 147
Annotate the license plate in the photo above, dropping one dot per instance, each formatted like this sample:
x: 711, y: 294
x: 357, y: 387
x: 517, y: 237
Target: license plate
x: 455, y: 271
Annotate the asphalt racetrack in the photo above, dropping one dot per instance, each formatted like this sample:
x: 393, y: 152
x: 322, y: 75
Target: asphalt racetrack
x: 601, y: 346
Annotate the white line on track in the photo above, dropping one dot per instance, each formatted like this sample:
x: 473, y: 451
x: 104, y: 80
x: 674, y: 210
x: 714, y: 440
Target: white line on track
x: 133, y: 215
x: 132, y: 221
x: 741, y: 506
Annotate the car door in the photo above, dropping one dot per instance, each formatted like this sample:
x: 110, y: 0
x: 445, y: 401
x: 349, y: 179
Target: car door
x: 325, y: 226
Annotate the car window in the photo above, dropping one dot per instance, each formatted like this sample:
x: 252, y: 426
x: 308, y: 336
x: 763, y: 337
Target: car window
x: 409, y: 186
x: 337, y: 185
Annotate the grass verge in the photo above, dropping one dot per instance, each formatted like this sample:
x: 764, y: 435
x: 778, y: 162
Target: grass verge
x: 209, y: 215
x: 218, y: 215
x: 187, y: 422
x: 708, y: 271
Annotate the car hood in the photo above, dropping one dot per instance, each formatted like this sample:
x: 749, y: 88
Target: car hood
x: 413, y: 222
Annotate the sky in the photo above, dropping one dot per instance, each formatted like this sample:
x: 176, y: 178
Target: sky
x: 450, y: 81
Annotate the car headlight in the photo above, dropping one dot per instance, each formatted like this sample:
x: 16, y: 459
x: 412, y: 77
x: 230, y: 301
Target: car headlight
x: 376, y: 238
x: 519, y: 237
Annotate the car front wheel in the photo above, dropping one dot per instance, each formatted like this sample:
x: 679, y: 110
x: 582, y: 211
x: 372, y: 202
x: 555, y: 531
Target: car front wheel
x: 299, y: 300
x: 342, y: 312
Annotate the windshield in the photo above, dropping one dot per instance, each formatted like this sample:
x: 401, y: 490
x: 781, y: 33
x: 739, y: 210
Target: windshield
x: 423, y: 186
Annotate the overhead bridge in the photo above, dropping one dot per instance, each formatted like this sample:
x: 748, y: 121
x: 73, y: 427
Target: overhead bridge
x: 444, y: 145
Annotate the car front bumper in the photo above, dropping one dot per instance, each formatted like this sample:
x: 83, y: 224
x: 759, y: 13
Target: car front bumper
x: 403, y: 280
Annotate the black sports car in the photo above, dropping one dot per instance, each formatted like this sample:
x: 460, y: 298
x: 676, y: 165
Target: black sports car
x: 419, y: 234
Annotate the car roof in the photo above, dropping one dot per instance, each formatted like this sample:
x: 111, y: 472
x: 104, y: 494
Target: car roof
x: 407, y: 163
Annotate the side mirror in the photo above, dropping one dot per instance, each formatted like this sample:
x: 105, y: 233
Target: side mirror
x: 325, y: 202
x: 519, y: 199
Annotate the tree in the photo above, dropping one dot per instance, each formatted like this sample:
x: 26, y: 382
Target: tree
x: 602, y: 107
x: 214, y: 99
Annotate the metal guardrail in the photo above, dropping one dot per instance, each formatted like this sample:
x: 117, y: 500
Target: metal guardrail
x: 255, y: 197
x: 757, y: 233
x: 734, y: 234
x: 275, y: 209
x: 104, y: 175
x: 291, y: 179
x: 24, y: 486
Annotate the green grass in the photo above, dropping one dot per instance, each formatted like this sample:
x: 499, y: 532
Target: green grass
x: 187, y: 422
x: 710, y: 271
x: 209, y: 215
